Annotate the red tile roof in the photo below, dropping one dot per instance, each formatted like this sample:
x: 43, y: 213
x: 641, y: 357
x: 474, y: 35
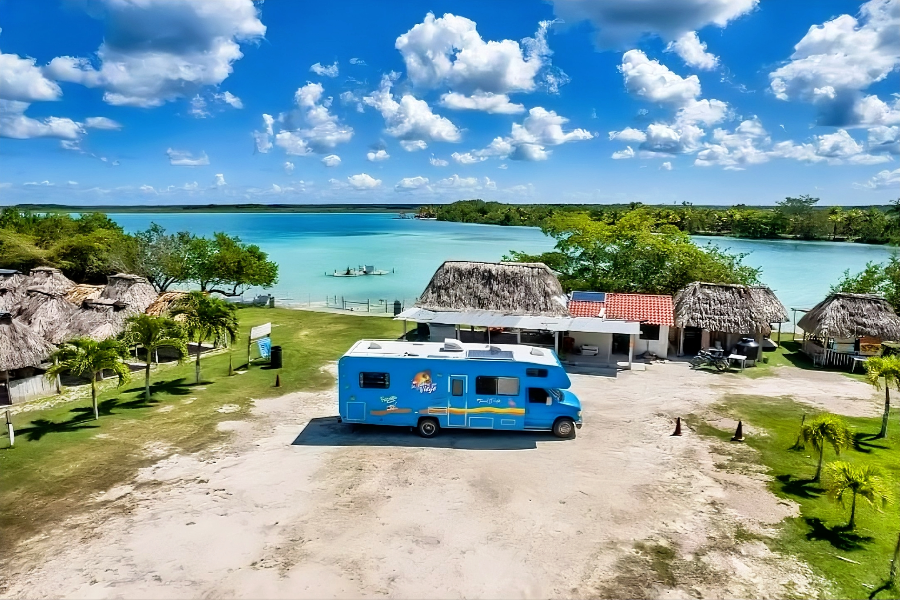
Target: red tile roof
x: 646, y: 308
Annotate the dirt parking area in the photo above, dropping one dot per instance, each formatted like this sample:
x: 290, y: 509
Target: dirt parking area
x: 299, y: 506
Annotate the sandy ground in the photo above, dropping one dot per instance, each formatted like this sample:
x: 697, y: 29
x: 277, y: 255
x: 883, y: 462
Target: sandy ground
x: 298, y: 506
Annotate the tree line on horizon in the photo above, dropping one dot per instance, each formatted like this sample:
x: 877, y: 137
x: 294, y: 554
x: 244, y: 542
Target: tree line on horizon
x: 792, y: 218
x: 88, y: 247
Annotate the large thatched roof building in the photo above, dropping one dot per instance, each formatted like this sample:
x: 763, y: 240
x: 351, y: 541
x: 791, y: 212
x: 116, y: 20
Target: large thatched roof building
x: 720, y: 314
x: 12, y: 289
x: 21, y: 349
x: 505, y: 288
x: 49, y: 279
x: 46, y: 312
x: 851, y: 316
x: 164, y: 303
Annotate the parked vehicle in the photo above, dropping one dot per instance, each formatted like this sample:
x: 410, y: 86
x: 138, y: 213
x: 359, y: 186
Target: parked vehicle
x: 710, y: 358
x: 433, y: 385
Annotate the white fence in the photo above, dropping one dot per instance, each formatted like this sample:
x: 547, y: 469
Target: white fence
x: 29, y: 388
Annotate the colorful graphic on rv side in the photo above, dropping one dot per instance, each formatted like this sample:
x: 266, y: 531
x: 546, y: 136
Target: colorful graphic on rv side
x: 422, y: 382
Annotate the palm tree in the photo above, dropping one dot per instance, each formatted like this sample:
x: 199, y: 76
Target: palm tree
x: 85, y: 357
x: 206, y: 318
x: 825, y: 430
x: 887, y: 368
x: 153, y: 333
x: 860, y: 482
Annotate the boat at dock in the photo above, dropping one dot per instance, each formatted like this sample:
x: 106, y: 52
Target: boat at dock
x: 360, y: 271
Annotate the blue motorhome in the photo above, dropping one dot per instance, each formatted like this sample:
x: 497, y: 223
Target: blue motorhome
x: 433, y: 385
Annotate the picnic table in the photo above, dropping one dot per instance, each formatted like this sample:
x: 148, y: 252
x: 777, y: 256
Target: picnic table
x: 738, y: 358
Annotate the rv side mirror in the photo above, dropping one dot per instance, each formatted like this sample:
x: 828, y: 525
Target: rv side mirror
x: 549, y: 399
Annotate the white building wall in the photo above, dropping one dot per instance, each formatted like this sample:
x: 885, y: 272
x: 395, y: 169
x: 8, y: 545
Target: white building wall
x: 29, y: 388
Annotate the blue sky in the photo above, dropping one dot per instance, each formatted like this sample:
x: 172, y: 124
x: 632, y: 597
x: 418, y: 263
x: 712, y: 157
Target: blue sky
x: 657, y: 101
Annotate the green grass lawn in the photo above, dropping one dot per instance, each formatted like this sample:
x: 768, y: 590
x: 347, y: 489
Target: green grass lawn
x: 63, y: 457
x: 818, y: 535
x: 788, y: 354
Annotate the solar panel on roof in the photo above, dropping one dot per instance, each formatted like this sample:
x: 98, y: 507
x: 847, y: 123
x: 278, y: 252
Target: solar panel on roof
x: 497, y: 355
x: 589, y: 296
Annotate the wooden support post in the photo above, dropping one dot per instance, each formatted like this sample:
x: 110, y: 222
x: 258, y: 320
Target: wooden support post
x: 9, y: 428
x: 556, y: 342
x: 630, y: 350
x: 680, y: 341
x: 779, y: 333
x: 249, y: 341
x: 518, y: 336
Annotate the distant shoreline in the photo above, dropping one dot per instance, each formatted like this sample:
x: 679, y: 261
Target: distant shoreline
x: 221, y: 208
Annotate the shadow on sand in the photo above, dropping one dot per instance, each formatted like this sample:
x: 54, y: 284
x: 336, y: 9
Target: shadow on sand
x: 327, y: 431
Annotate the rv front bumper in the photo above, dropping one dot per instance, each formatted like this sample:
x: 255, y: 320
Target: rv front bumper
x: 578, y: 425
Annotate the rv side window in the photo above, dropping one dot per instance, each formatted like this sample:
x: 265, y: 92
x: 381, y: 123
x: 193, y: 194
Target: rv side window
x: 497, y: 386
x: 381, y: 381
x: 537, y: 395
x: 456, y: 387
x: 534, y: 372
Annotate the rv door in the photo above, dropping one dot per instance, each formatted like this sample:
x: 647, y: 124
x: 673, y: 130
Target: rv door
x: 457, y: 404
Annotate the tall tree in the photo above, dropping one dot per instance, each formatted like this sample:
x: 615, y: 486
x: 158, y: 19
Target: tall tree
x: 825, y: 430
x: 888, y: 369
x: 163, y: 258
x: 842, y: 479
x: 206, y: 318
x: 152, y: 333
x: 224, y: 265
x: 84, y: 357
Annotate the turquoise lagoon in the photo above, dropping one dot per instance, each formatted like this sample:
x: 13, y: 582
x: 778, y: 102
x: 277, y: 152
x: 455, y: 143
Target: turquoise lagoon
x: 306, y: 246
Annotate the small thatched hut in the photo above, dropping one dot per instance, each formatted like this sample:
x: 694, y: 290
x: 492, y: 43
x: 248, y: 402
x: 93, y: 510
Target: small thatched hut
x: 711, y: 314
x: 12, y: 289
x: 505, y: 288
x: 46, y: 312
x: 104, y: 316
x: 844, y: 326
x: 21, y: 353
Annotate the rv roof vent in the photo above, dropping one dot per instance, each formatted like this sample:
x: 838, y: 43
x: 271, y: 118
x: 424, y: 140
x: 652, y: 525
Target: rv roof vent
x: 374, y: 346
x: 537, y: 352
x: 451, y: 345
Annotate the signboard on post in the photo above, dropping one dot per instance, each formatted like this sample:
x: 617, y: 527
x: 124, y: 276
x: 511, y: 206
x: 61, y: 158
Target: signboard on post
x: 258, y: 332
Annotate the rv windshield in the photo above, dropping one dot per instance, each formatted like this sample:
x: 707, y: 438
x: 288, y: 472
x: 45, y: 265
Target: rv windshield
x: 557, y: 395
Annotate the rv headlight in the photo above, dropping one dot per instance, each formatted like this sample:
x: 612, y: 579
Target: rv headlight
x: 579, y: 414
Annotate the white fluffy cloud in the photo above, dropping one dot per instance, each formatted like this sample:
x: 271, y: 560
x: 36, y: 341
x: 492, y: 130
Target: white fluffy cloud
x: 14, y: 124
x: 219, y: 181
x: 652, y: 81
x: 332, y: 160
x: 410, y: 119
x: 229, y: 99
x: 487, y: 102
x: 363, y: 182
x: 288, y: 167
x: 666, y: 166
x: 140, y: 67
x: 448, y: 51
x: 437, y: 162
x: 693, y: 52
x: 310, y: 128
x: 528, y: 140
x: 619, y: 24
x: 884, y: 139
x: 411, y: 183
x: 377, y: 155
x: 467, y: 158
x: 413, y: 145
x: 883, y: 180
x: 325, y: 70
x: 836, y: 61
x: 628, y: 152
x: 21, y: 80
x: 455, y: 181
x: 628, y: 135
x: 183, y: 158
x: 102, y: 123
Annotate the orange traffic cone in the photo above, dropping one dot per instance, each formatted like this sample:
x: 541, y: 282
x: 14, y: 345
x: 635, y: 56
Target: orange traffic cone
x: 278, y: 380
x: 677, y: 427
x: 739, y: 433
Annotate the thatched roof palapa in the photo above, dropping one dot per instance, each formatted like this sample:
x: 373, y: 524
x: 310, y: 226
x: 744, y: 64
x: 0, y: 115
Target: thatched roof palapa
x: 163, y: 303
x: 12, y: 289
x: 507, y: 288
x: 46, y: 313
x: 134, y: 291
x: 851, y: 316
x: 50, y: 280
x: 727, y: 307
x: 20, y: 347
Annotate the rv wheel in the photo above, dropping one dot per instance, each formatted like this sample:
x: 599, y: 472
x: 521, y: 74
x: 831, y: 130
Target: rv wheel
x: 428, y: 428
x: 564, y: 428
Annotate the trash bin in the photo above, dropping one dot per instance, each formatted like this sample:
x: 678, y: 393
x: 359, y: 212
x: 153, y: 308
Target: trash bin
x: 397, y: 307
x: 275, y: 357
